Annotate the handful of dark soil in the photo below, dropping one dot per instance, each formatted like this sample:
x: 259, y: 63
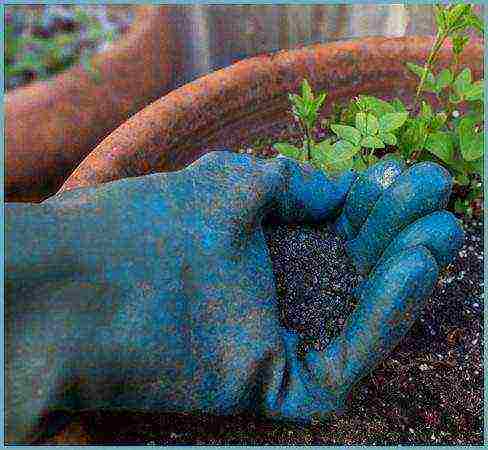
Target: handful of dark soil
x: 314, y: 280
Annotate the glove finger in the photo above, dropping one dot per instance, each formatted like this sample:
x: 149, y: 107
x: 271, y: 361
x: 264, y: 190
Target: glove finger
x: 439, y: 232
x: 387, y: 308
x: 364, y: 193
x: 307, y: 195
x: 420, y: 190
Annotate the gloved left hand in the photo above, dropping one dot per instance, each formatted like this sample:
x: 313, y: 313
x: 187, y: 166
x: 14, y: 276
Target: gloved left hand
x: 157, y: 293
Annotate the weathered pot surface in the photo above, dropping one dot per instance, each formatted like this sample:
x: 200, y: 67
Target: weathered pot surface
x: 233, y: 106
x: 52, y: 125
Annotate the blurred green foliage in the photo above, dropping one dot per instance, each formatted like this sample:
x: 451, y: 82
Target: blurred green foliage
x: 39, y: 48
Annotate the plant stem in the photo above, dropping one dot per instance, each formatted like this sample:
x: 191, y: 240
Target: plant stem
x: 454, y: 69
x: 455, y: 64
x: 306, y: 132
x: 439, y: 42
x: 309, y: 150
x: 363, y: 157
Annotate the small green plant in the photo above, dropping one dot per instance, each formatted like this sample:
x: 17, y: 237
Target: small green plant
x: 452, y: 136
x: 367, y: 128
x: 374, y: 125
x: 305, y: 111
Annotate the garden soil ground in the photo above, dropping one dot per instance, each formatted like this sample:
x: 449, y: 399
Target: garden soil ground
x: 428, y: 391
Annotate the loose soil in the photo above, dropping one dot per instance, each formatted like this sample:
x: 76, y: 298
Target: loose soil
x: 428, y: 391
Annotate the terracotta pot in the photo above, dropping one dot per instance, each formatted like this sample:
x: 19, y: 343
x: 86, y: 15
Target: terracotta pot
x: 52, y: 125
x: 233, y: 106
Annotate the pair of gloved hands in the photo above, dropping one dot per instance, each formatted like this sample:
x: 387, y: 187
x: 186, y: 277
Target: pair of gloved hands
x: 157, y: 293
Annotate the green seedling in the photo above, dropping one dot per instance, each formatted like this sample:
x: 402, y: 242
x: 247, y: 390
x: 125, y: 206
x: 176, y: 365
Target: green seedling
x: 368, y: 128
x: 453, y: 135
x: 305, y: 110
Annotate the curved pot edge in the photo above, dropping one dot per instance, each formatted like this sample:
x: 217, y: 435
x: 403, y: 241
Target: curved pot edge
x: 149, y: 140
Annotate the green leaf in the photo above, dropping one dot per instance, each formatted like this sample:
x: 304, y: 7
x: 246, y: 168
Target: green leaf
x: 460, y: 206
x: 462, y: 179
x: 320, y: 100
x: 359, y: 165
x: 295, y: 99
x: 440, y: 17
x: 413, y: 137
x: 298, y: 106
x: 455, y: 98
x: 288, y: 150
x: 307, y: 94
x: 462, y: 83
x: 440, y: 144
x: 375, y: 105
x: 367, y: 123
x: 372, y: 124
x: 475, y: 91
x: 444, y: 79
x: 372, y: 142
x: 343, y: 150
x: 392, y: 121
x: 439, y: 120
x: 419, y: 71
x: 476, y: 22
x: 341, y: 166
x: 348, y: 133
x: 470, y: 141
x: 306, y: 110
x: 326, y: 144
x: 388, y: 138
x: 361, y: 122
x: 321, y: 152
x: 459, y: 41
x: 425, y: 110
x: 457, y: 165
x: 477, y: 166
x: 398, y: 105
x: 456, y: 14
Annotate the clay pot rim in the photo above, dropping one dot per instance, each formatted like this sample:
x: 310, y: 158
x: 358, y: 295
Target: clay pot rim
x: 159, y: 124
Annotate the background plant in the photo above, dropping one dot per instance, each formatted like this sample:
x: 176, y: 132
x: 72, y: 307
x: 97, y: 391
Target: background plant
x: 44, y: 40
x: 444, y: 124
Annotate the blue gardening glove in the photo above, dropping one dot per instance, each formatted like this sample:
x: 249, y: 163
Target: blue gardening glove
x: 400, y: 236
x: 157, y: 293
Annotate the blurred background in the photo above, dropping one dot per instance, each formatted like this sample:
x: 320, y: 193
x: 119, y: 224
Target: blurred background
x: 41, y: 40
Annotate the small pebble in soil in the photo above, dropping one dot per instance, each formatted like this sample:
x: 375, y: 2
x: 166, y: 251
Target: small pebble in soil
x: 314, y: 281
